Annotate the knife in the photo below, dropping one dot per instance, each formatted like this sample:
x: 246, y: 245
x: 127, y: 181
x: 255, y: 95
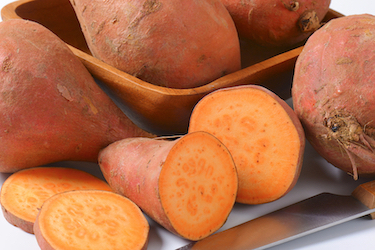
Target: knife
x: 305, y: 217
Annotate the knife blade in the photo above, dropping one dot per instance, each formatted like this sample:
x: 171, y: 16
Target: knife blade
x: 294, y: 221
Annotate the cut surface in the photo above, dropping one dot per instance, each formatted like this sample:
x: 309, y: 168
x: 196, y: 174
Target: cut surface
x: 24, y: 192
x: 259, y: 134
x: 198, y: 185
x: 91, y: 219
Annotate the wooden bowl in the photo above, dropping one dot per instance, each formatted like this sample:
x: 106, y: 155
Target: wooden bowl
x: 158, y: 109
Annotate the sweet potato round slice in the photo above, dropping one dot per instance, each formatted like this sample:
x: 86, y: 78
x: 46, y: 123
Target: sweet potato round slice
x: 91, y: 219
x: 262, y: 133
x: 198, y: 185
x: 24, y: 192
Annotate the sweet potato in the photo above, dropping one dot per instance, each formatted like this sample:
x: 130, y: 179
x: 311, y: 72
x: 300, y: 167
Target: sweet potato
x: 171, y: 43
x: 333, y: 93
x: 262, y: 133
x: 277, y: 22
x: 24, y: 192
x: 187, y: 185
x: 52, y: 108
x: 90, y: 219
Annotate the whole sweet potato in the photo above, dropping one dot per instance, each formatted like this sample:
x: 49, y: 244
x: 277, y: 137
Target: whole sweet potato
x: 277, y: 22
x: 52, y: 109
x: 172, y: 43
x: 333, y: 92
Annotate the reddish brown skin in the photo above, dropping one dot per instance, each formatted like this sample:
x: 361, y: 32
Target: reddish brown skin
x: 334, y: 76
x: 133, y: 169
x: 274, y: 22
x: 25, y: 225
x: 43, y: 244
x: 171, y: 43
x: 52, y: 108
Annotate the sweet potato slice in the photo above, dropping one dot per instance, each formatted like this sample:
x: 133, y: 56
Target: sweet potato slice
x: 24, y: 192
x: 188, y: 185
x: 91, y: 219
x: 263, y: 135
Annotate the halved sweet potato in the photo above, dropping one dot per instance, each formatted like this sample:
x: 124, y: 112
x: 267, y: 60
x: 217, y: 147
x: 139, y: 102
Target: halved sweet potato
x: 188, y: 185
x: 263, y: 134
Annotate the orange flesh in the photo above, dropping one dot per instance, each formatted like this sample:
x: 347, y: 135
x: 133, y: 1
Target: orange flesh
x: 198, y: 185
x: 259, y: 134
x: 24, y: 192
x: 92, y: 219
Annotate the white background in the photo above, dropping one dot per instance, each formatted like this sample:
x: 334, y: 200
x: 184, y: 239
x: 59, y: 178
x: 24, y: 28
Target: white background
x: 317, y: 176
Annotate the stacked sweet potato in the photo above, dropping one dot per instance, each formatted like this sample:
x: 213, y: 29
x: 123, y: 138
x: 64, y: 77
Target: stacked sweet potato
x: 244, y: 143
